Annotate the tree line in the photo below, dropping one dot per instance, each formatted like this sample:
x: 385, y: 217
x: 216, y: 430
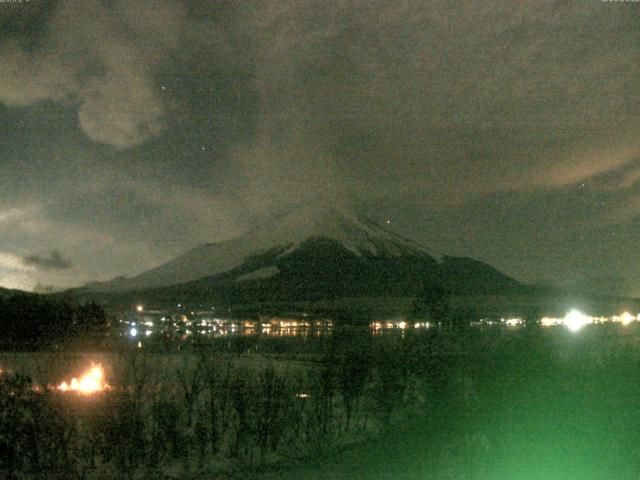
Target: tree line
x: 41, y: 321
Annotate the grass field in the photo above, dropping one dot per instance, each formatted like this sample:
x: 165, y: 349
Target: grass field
x: 493, y: 404
x: 556, y: 406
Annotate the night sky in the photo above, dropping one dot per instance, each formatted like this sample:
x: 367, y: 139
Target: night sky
x: 132, y: 131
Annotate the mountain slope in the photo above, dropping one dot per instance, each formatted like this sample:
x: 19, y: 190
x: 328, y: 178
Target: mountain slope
x: 466, y: 275
x: 284, y: 234
x: 5, y: 292
x: 318, y: 269
x: 307, y: 255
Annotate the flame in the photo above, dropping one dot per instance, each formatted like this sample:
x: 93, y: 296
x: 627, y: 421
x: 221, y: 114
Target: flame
x: 91, y: 382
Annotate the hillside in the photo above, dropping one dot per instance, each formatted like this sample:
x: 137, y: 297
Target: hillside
x: 306, y: 257
x: 283, y: 234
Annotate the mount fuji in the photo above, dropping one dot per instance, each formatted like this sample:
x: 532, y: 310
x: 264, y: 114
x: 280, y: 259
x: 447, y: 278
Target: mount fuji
x: 309, y: 253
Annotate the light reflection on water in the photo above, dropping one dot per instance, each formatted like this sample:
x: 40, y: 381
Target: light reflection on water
x: 205, y: 327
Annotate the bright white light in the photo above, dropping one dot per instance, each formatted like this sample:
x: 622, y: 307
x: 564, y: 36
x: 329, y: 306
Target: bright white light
x: 133, y: 332
x: 626, y: 318
x: 140, y: 308
x: 575, y: 320
x: 148, y: 332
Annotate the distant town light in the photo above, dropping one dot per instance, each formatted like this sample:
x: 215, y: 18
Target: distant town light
x: 513, y: 322
x: 550, y: 321
x: 575, y: 320
x: 133, y: 332
x: 140, y: 308
x: 626, y: 318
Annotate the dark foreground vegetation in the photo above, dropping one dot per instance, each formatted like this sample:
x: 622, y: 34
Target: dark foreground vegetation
x: 31, y: 321
x: 198, y: 414
x: 523, y: 404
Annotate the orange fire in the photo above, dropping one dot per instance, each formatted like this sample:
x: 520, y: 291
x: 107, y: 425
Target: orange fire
x: 91, y: 382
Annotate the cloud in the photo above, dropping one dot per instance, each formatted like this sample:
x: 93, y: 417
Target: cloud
x: 121, y: 111
x: 585, y: 165
x: 441, y: 106
x: 45, y: 288
x: 52, y: 261
x: 9, y: 261
x: 102, y: 60
x: 13, y: 272
x: 10, y: 214
x: 456, y: 100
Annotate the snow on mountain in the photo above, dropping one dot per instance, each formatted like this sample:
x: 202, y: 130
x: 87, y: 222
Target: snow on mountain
x: 286, y: 232
x: 355, y: 233
x: 265, y: 272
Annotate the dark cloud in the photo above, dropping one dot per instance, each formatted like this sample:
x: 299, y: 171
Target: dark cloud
x: 51, y: 261
x: 504, y: 130
x: 457, y: 101
x: 101, y: 59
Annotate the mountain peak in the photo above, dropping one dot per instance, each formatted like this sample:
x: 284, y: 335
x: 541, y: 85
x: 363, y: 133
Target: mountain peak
x: 336, y: 222
x: 285, y: 232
